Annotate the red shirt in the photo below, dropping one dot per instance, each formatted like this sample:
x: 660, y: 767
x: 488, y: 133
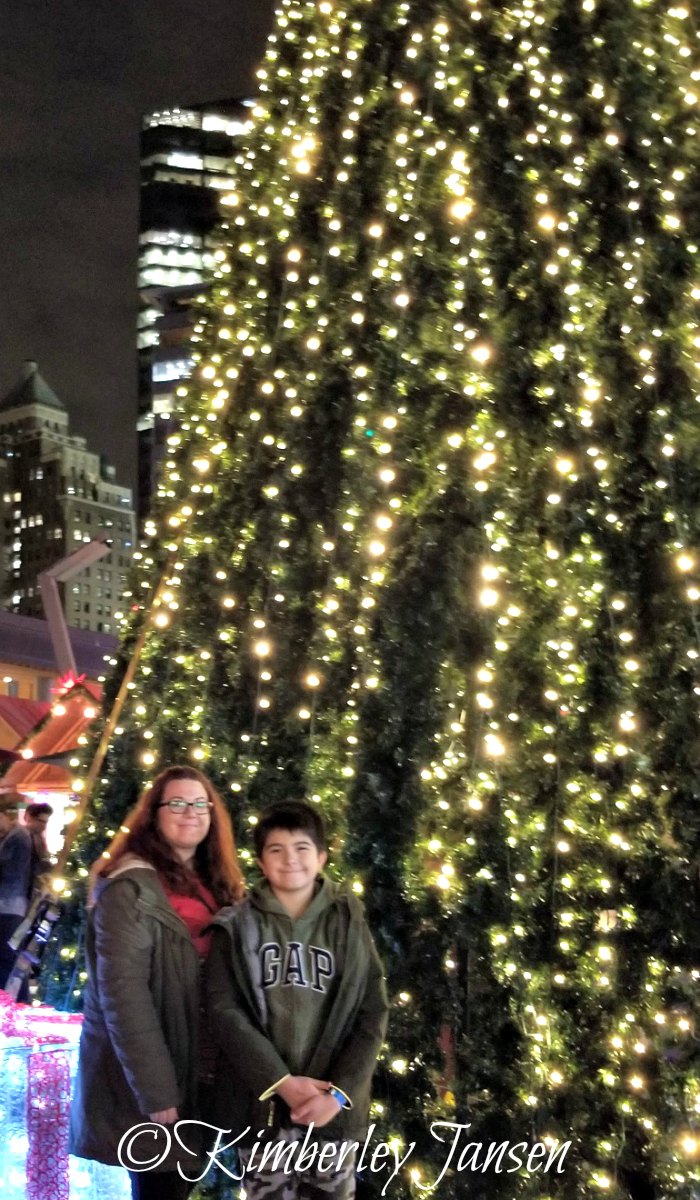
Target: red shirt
x: 196, y: 912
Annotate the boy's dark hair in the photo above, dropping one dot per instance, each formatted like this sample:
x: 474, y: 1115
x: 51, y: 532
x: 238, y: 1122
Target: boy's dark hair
x: 291, y: 815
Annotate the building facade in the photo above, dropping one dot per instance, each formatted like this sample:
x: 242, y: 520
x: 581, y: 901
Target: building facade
x: 55, y: 495
x: 186, y: 157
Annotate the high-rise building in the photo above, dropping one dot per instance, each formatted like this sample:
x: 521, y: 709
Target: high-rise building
x: 186, y: 156
x: 55, y: 494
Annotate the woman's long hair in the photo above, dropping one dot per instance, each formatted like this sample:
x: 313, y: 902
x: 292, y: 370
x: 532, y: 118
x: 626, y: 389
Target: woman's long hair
x: 215, y: 862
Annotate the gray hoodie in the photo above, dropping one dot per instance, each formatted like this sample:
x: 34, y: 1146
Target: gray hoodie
x: 301, y: 996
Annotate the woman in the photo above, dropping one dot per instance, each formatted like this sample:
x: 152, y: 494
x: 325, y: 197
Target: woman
x: 154, y: 891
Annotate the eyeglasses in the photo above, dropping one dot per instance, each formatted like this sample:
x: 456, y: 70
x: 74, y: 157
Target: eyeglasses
x: 181, y: 806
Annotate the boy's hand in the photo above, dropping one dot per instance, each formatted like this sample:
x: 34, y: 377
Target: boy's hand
x: 319, y: 1110
x: 299, y: 1088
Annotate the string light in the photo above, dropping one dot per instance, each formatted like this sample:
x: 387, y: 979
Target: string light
x: 493, y: 367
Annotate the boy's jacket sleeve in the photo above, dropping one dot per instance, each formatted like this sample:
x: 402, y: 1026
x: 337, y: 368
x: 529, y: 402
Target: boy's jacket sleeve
x: 236, y: 1027
x: 354, y: 1064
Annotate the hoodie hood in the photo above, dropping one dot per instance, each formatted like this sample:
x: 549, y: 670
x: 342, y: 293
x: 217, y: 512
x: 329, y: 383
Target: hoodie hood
x: 130, y: 862
x: 264, y: 900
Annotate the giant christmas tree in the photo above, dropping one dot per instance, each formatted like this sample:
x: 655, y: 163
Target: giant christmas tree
x: 425, y: 553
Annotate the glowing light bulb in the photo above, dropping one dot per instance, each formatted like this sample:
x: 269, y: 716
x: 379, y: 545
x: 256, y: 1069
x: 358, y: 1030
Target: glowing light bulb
x: 494, y: 746
x: 461, y: 209
x: 488, y: 597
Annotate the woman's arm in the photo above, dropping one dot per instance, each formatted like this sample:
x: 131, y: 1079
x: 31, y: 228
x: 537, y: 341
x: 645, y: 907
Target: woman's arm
x: 123, y: 951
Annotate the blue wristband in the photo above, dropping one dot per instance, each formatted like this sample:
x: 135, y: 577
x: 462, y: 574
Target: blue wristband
x: 338, y: 1096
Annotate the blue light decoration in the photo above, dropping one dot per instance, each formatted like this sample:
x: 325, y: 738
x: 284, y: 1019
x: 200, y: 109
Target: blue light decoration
x: 96, y: 1181
x: 13, y: 1119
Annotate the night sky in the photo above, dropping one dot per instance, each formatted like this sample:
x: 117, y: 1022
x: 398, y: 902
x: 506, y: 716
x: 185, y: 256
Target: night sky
x: 77, y: 76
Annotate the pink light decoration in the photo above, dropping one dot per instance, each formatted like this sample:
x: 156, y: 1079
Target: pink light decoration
x: 66, y: 682
x: 48, y: 1092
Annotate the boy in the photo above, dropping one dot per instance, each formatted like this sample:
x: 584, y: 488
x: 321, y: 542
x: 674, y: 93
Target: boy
x: 298, y: 1007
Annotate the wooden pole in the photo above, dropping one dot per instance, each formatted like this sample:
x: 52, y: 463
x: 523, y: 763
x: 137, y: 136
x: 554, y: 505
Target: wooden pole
x: 109, y: 727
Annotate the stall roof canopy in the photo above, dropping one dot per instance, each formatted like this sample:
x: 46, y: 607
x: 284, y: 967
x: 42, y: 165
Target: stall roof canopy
x: 55, y: 740
x: 21, y: 715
